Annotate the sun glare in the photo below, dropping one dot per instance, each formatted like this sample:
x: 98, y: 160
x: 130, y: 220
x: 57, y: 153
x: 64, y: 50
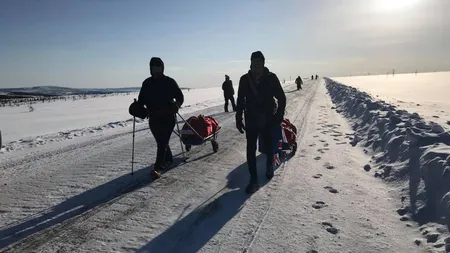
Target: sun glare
x: 394, y: 5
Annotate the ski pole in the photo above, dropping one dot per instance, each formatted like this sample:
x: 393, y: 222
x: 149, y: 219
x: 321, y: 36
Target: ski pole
x: 132, y: 152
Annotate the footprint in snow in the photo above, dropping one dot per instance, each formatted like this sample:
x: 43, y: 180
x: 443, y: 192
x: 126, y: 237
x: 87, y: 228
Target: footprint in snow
x: 322, y: 150
x: 316, y: 136
x: 317, y: 175
x: 341, y: 143
x: 319, y: 205
x: 312, y: 145
x: 336, y: 139
x: 326, y: 144
x: 331, y: 189
x: 330, y: 228
x: 317, y: 158
x: 322, y: 140
x: 329, y: 166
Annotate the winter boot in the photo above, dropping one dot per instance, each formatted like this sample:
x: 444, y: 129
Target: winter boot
x: 269, y: 172
x: 155, y: 174
x: 252, y: 187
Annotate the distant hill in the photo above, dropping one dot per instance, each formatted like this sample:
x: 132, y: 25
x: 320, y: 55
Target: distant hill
x: 62, y: 91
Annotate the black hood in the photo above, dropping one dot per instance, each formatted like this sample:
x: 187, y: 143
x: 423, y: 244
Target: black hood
x: 156, y: 61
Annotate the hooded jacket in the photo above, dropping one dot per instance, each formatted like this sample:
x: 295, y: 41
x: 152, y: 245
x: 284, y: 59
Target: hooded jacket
x: 263, y: 103
x: 227, y: 87
x: 158, y: 93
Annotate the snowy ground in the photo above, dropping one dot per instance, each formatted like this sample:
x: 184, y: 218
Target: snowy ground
x: 410, y: 153
x: 81, y: 197
x: 424, y: 93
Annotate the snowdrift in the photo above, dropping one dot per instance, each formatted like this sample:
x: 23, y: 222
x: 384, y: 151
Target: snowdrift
x: 405, y: 148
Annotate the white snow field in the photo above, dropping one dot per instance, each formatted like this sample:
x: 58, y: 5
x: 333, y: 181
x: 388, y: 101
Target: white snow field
x: 425, y: 93
x: 65, y: 120
x: 81, y: 197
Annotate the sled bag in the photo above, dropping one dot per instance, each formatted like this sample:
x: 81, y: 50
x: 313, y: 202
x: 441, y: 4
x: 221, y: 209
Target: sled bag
x: 204, y: 125
x: 289, y: 131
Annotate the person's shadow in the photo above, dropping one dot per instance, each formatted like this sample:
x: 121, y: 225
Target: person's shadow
x: 192, y: 232
x: 77, y: 205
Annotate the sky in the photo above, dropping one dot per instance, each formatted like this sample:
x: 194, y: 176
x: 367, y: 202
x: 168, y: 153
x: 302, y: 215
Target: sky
x: 108, y: 43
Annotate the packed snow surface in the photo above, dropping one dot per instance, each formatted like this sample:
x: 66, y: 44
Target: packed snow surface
x: 82, y: 198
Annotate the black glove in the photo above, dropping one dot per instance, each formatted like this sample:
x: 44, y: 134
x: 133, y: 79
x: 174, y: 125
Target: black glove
x: 239, y: 122
x: 136, y: 109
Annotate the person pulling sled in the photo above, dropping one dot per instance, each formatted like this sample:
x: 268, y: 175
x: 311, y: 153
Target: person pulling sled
x: 299, y: 82
x: 162, y: 99
x: 255, y: 101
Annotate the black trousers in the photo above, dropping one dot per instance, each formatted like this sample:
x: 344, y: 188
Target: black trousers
x: 161, y: 128
x: 233, y: 104
x: 252, y: 134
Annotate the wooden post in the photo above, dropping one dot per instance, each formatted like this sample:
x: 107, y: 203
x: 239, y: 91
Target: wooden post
x: 1, y: 139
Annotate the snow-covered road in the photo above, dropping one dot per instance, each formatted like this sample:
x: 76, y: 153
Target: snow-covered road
x: 81, y: 198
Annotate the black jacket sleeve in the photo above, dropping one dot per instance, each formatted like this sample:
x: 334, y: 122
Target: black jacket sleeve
x: 142, y: 94
x: 178, y: 94
x: 279, y: 94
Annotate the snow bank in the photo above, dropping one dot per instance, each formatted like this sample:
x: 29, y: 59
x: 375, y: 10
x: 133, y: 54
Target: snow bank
x: 424, y: 93
x: 405, y: 147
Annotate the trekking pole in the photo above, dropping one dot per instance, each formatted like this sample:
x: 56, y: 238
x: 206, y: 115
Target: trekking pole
x: 132, y: 152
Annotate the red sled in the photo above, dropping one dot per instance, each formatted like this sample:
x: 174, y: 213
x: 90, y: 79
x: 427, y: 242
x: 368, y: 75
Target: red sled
x: 199, y: 129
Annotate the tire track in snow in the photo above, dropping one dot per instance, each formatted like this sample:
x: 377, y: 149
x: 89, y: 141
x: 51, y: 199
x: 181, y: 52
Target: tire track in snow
x: 302, y: 111
x: 295, y: 108
x: 84, y: 213
x: 76, y: 234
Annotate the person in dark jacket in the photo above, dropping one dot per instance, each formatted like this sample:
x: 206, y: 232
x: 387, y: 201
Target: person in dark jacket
x: 228, y: 93
x: 257, y: 92
x: 162, y: 97
x: 299, y: 82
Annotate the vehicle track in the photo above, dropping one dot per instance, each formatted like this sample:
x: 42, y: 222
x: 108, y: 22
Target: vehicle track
x: 73, y: 232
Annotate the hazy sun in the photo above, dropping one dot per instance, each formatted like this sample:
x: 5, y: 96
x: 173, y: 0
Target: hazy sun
x: 394, y: 5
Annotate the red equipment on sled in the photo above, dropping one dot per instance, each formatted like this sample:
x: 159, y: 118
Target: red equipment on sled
x: 284, y: 139
x: 289, y: 136
x: 199, y: 129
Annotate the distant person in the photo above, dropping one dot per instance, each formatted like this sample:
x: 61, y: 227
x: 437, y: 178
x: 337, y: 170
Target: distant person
x: 317, y: 77
x: 312, y: 77
x: 257, y: 90
x: 299, y: 82
x: 228, y: 93
x: 162, y: 97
